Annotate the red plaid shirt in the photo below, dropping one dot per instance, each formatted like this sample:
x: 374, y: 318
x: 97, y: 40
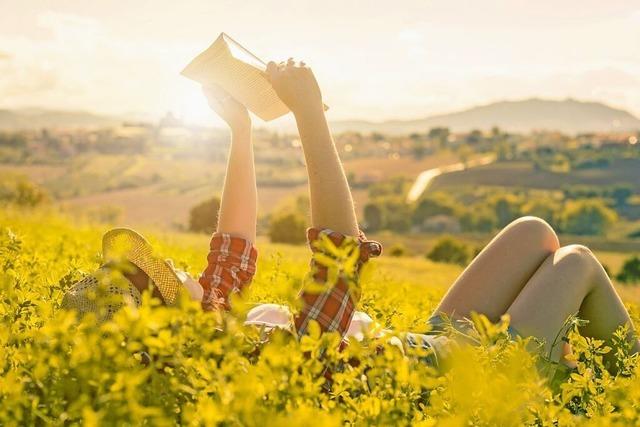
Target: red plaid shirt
x: 232, y: 264
x: 334, y: 305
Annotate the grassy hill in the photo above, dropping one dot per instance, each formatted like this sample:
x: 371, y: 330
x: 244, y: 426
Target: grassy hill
x: 523, y: 174
x: 35, y: 118
x: 569, y: 116
x: 206, y: 369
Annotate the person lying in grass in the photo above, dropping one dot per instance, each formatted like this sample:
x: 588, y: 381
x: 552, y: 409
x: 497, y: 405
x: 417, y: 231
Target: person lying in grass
x: 523, y: 272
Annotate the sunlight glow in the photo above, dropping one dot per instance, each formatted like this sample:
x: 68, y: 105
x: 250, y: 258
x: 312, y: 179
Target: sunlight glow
x: 193, y: 109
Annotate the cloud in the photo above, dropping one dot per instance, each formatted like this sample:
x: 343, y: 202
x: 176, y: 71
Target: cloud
x: 81, y: 65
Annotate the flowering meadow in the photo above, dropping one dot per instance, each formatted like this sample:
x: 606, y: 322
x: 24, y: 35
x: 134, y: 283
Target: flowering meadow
x: 156, y: 365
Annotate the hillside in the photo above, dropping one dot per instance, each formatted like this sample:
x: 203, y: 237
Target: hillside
x: 35, y: 118
x: 570, y: 116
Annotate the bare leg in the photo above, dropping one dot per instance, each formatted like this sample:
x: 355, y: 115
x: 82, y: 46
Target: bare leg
x: 570, y: 281
x: 493, y: 280
x: 330, y: 196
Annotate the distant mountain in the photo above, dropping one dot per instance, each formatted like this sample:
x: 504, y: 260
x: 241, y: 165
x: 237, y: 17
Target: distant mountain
x: 569, y: 116
x: 35, y: 118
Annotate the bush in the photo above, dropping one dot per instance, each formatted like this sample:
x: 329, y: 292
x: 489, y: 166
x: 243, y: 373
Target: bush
x: 588, y: 217
x: 630, y: 272
x: 397, y: 250
x: 432, y: 206
x: 373, y: 217
x: 450, y: 250
x: 288, y: 227
x: 18, y: 190
x: 203, y: 218
x: 506, y: 208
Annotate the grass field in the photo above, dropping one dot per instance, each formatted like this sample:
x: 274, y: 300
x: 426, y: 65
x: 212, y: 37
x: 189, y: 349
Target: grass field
x: 204, y: 369
x: 523, y: 175
x: 161, y: 190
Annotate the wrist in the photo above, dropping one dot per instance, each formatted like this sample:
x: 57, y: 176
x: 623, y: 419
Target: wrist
x: 241, y: 128
x: 309, y: 111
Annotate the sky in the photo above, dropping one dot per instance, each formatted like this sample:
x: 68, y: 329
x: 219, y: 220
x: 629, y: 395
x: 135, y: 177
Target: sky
x: 374, y: 60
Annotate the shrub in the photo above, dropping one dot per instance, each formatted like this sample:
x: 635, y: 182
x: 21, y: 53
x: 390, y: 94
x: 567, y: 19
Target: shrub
x: 449, y: 250
x: 373, y: 217
x: 397, y: 250
x: 203, y: 218
x: 630, y: 272
x: 288, y: 227
x: 432, y: 206
x: 587, y: 217
x: 18, y: 190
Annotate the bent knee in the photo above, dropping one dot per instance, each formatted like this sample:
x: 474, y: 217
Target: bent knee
x: 534, y: 231
x: 577, y: 255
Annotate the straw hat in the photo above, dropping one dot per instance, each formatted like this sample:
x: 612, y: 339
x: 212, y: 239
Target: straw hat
x: 117, y: 245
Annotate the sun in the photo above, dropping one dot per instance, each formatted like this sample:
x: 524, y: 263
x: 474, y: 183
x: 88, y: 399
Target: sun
x: 191, y: 106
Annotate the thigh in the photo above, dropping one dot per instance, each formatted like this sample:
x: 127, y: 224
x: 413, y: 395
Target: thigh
x: 570, y: 282
x: 551, y: 296
x: 495, y: 277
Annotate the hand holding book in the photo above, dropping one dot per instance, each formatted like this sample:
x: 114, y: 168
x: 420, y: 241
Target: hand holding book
x: 227, y: 107
x: 295, y: 85
x: 244, y: 76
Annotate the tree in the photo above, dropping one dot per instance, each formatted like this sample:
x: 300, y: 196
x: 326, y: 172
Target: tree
x: 621, y: 195
x: 449, y: 250
x: 545, y: 209
x: 288, y: 227
x: 373, y: 217
x: 588, y: 217
x: 474, y: 137
x: 440, y: 135
x: 203, y: 218
x: 431, y: 206
x: 478, y: 219
x: 506, y: 208
x: 630, y: 272
x: 397, y: 214
x: 418, y: 149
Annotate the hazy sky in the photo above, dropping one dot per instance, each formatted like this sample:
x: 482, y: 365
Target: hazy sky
x: 374, y: 59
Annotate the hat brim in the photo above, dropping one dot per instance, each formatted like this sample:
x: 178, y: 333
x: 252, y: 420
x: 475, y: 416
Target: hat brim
x: 124, y: 243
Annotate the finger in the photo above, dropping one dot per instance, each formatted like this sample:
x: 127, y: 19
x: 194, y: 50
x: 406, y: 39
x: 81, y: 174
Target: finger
x: 302, y: 64
x: 272, y: 69
x: 290, y: 62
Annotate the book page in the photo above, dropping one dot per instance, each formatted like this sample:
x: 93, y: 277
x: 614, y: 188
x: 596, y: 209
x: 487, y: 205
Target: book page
x: 245, y: 81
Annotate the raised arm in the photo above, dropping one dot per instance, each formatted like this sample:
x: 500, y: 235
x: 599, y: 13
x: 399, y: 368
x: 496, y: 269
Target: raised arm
x: 238, y: 207
x: 332, y: 212
x: 231, y: 261
x: 331, y: 202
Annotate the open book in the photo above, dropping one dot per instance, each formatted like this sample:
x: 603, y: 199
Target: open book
x: 239, y: 72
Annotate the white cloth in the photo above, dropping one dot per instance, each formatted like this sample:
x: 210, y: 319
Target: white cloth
x: 279, y: 316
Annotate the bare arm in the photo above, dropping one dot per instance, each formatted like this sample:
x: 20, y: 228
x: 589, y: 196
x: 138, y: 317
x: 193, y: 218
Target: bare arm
x: 331, y: 201
x: 238, y: 206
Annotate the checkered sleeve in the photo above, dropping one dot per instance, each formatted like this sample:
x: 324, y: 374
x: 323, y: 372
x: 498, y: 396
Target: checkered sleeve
x: 231, y: 264
x: 331, y: 295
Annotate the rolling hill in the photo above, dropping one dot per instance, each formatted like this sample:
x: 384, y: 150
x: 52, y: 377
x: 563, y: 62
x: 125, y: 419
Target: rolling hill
x: 36, y: 118
x: 570, y: 116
